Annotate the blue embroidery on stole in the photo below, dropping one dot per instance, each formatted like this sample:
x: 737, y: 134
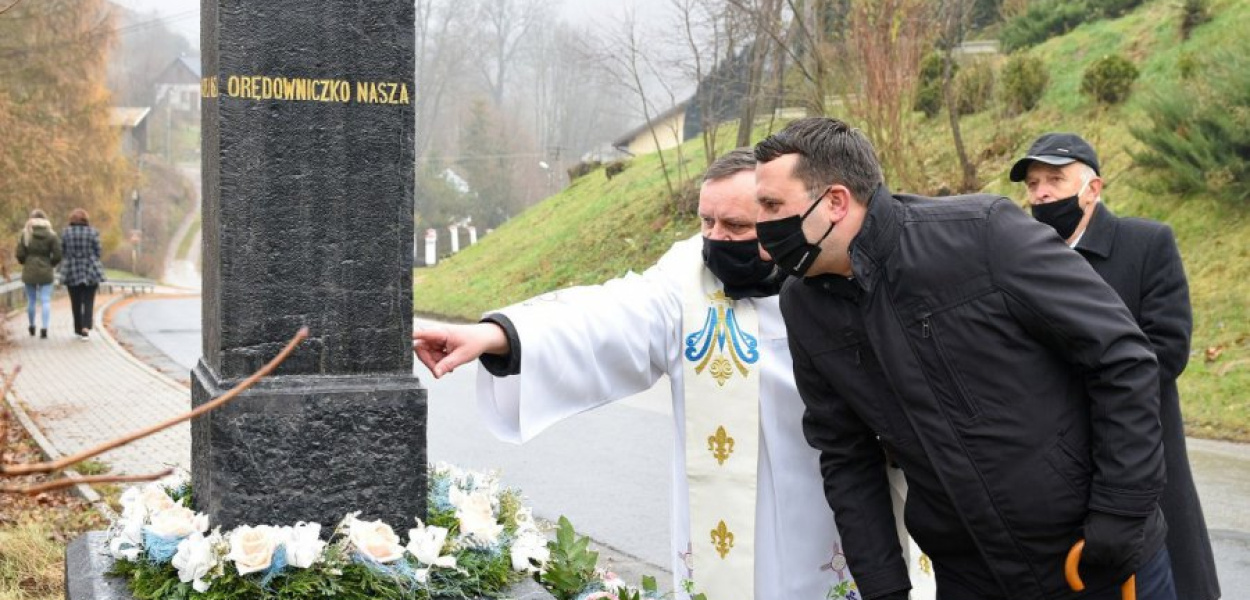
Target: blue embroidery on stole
x: 721, y: 324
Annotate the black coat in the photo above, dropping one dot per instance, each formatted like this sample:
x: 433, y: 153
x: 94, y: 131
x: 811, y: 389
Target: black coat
x: 1013, y: 405
x: 1139, y: 259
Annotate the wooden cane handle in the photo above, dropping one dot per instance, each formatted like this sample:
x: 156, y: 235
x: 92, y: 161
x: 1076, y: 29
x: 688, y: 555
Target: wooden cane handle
x: 1071, y: 564
x: 1128, y: 590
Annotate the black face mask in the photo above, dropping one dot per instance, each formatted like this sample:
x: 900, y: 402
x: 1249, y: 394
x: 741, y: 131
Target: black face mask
x: 738, y: 265
x: 1063, y: 215
x: 785, y: 242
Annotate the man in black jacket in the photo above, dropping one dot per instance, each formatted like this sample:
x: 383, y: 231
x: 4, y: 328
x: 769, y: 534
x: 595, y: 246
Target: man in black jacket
x: 1138, y: 258
x: 996, y: 368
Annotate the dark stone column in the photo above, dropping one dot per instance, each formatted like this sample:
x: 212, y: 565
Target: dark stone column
x: 308, y: 204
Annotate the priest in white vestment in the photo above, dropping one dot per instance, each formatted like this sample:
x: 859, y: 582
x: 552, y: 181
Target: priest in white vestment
x: 749, y: 511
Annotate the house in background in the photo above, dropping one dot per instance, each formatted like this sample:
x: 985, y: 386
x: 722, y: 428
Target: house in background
x: 133, y: 122
x: 665, y: 130
x: 179, y: 85
x: 718, y: 98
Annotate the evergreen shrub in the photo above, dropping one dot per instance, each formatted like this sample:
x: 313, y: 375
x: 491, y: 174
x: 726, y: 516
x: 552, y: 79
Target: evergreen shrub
x: 1024, y: 80
x: 974, y: 88
x: 1109, y: 79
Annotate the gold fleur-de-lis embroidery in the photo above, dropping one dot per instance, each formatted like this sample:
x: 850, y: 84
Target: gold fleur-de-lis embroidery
x: 721, y: 370
x: 720, y: 445
x: 723, y: 539
x: 926, y: 565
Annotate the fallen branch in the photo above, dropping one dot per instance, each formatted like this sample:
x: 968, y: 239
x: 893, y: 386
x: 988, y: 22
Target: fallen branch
x: 69, y: 461
x: 60, y: 484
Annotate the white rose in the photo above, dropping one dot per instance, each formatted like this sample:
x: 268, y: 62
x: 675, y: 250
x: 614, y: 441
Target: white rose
x: 456, y: 496
x: 426, y: 544
x: 303, y: 544
x: 477, y: 519
x: 529, y: 552
x: 155, y: 499
x: 252, y: 548
x: 375, y: 541
x: 177, y: 522
x: 195, y: 558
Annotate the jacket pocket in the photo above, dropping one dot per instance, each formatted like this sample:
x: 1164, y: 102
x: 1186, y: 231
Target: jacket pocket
x: 955, y: 386
x: 1074, y: 469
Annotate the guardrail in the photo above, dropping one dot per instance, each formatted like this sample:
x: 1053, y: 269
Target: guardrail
x: 128, y: 286
x: 13, y: 292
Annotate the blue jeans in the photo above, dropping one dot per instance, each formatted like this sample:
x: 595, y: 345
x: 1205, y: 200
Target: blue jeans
x: 44, y: 293
x: 1154, y: 581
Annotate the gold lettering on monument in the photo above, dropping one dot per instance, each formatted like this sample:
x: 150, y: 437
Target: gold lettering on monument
x: 302, y: 89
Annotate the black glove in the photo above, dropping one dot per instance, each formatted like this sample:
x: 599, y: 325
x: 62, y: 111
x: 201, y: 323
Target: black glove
x: 1113, y: 540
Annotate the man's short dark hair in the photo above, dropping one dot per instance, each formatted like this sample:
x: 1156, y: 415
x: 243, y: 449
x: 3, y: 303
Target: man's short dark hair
x: 729, y: 164
x: 830, y: 152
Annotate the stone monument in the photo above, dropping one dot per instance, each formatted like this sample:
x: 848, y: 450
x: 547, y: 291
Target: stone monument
x: 308, y: 185
x: 307, y: 120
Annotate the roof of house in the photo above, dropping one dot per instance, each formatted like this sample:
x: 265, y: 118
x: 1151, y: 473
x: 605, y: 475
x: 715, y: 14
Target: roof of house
x: 184, y: 69
x: 624, y: 139
x: 128, y: 116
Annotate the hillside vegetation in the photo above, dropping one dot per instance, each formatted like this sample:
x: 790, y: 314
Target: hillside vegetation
x: 599, y: 228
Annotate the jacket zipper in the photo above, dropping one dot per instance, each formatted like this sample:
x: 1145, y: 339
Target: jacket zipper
x: 926, y: 331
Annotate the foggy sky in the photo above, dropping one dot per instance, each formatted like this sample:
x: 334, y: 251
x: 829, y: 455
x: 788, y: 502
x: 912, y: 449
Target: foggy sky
x: 182, y: 16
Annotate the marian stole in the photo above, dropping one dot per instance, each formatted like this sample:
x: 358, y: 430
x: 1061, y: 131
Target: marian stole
x: 720, y: 367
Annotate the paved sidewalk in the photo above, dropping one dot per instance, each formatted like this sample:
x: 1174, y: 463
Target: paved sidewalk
x: 81, y: 394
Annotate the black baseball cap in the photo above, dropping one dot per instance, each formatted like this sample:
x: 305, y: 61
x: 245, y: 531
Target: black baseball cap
x: 1056, y: 149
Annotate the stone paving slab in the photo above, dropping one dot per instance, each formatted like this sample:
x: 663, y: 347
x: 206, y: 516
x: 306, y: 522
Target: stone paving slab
x: 81, y: 394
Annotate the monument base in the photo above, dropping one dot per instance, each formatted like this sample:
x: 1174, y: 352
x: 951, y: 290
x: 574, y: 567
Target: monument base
x: 310, y: 448
x: 87, y: 561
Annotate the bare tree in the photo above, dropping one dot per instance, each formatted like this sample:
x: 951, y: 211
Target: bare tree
x: 954, y: 16
x: 505, y: 26
x: 570, y: 99
x: 801, y: 35
x: 440, y: 54
x: 702, y: 35
x: 623, y: 57
x: 884, y: 43
x: 766, y: 14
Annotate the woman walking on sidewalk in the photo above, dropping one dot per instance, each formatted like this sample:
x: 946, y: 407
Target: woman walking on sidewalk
x: 82, y: 271
x: 39, y: 251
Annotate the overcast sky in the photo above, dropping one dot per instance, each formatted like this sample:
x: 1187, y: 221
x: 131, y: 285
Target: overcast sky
x: 183, y: 15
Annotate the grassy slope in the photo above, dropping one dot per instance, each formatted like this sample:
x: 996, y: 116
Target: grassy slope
x: 595, y: 230
x: 598, y: 229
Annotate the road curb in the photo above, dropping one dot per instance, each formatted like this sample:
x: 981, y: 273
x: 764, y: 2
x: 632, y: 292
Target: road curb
x: 116, y: 346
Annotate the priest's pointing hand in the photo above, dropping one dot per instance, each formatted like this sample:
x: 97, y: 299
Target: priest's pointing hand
x: 444, y: 348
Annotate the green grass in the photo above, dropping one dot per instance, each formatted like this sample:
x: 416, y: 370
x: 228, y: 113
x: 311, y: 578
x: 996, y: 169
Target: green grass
x: 184, y: 246
x: 594, y: 230
x: 599, y: 229
x: 116, y: 274
x: 92, y: 467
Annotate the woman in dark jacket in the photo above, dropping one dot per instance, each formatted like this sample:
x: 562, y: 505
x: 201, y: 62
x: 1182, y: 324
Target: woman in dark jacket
x: 82, y: 272
x: 39, y: 251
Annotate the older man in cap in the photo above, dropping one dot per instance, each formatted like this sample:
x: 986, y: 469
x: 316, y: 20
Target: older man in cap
x: 1140, y: 261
